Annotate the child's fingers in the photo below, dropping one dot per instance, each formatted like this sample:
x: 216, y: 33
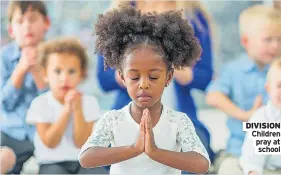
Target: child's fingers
x: 147, y: 123
x: 142, y: 126
x: 149, y: 120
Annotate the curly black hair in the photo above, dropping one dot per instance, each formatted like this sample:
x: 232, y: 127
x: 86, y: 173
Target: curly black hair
x: 122, y: 31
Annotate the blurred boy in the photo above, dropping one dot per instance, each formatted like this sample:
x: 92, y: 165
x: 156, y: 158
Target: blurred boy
x: 251, y: 163
x: 21, y: 78
x: 239, y: 91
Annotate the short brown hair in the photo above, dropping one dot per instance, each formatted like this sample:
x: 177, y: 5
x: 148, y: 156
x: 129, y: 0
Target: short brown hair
x: 24, y: 5
x: 63, y: 45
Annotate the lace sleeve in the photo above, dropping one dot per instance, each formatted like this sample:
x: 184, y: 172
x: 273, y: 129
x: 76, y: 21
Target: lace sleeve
x: 102, y: 134
x: 188, y: 138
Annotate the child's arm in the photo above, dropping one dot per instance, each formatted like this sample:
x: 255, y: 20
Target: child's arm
x: 194, y: 157
x: 51, y: 134
x: 40, y: 114
x: 222, y: 102
x: 38, y: 76
x: 219, y: 95
x: 82, y: 129
x: 11, y: 82
x: 36, y: 70
x: 95, y: 152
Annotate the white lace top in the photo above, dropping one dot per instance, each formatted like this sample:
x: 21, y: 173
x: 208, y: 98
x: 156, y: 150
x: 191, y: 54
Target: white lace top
x: 174, y: 131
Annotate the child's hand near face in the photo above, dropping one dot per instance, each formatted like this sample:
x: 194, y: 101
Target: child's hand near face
x: 73, y: 100
x: 28, y: 58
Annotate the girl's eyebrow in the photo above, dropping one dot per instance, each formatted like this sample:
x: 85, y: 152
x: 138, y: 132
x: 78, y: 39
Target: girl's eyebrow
x: 133, y: 70
x: 156, y: 69
x: 151, y: 70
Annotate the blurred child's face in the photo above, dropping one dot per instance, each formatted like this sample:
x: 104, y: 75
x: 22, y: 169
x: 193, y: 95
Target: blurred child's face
x: 273, y: 87
x: 28, y: 29
x: 145, y: 77
x: 63, y: 73
x: 264, y: 43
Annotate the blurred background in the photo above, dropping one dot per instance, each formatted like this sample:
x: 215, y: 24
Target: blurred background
x: 77, y: 18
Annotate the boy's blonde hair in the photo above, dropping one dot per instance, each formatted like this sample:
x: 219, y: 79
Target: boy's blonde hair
x: 275, y: 65
x: 256, y: 14
x: 63, y: 45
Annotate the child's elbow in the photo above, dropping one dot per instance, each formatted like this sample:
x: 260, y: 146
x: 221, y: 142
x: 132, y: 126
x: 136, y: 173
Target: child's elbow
x: 85, y: 162
x: 50, y: 144
x: 211, y: 98
x: 204, y: 166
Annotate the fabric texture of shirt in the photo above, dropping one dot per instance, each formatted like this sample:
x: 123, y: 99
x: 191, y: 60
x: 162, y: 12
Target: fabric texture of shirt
x: 241, y: 81
x: 46, y: 109
x: 249, y: 161
x: 174, y: 131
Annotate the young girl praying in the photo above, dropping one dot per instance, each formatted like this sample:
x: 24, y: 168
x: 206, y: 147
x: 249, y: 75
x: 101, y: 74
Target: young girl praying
x: 145, y: 136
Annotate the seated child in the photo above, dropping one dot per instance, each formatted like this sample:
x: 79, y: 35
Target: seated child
x: 21, y: 79
x: 239, y: 91
x: 251, y: 163
x: 146, y: 136
x: 63, y: 116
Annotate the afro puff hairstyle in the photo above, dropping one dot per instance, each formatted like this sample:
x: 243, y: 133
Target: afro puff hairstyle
x: 121, y: 31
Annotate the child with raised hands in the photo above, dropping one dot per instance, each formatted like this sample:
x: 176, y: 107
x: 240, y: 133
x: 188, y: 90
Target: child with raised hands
x: 63, y: 116
x: 146, y: 137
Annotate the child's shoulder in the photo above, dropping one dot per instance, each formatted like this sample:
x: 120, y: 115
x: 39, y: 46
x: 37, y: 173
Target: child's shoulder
x: 238, y: 64
x: 90, y: 99
x: 8, y: 48
x: 176, y: 116
x: 44, y: 97
x: 116, y: 114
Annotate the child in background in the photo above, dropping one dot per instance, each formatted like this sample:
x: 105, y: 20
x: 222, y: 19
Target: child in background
x: 178, y: 95
x: 63, y: 116
x: 7, y: 159
x: 146, y: 136
x: 251, y: 163
x: 239, y: 91
x: 21, y: 78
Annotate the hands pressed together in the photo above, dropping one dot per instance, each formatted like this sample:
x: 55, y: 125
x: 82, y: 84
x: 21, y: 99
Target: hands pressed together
x: 145, y: 141
x: 73, y: 100
x: 28, y: 60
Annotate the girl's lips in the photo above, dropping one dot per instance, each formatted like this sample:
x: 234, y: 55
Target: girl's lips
x: 143, y: 97
x: 65, y: 88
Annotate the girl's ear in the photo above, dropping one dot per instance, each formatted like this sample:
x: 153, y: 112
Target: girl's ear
x: 46, y: 80
x: 121, y: 76
x: 10, y: 31
x: 169, y: 77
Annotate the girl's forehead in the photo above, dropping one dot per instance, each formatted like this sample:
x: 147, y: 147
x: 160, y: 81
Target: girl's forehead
x: 144, y: 58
